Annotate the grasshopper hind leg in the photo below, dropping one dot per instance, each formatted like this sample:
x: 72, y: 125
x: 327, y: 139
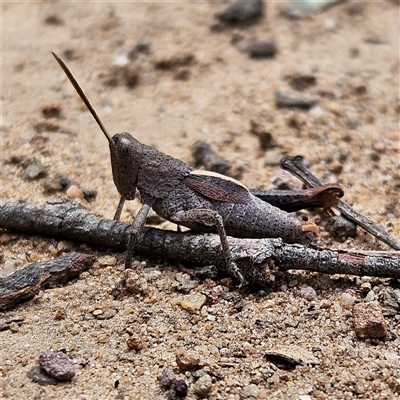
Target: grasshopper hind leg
x: 212, y: 218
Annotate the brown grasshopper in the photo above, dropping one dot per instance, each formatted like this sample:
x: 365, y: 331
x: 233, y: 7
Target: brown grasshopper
x: 200, y: 200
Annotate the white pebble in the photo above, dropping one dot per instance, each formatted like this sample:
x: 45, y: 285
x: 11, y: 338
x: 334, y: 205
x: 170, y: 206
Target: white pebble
x: 120, y: 60
x: 346, y: 301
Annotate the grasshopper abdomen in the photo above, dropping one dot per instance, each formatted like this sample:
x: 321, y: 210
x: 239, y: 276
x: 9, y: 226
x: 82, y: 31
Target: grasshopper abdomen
x: 258, y: 219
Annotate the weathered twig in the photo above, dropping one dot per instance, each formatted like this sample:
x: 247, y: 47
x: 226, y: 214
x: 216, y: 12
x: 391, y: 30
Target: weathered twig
x: 27, y: 282
x: 295, y: 166
x: 258, y: 259
x: 205, y: 156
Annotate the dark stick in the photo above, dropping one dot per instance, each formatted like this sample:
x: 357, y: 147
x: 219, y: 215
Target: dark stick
x: 27, y: 282
x: 257, y: 259
x: 295, y: 166
x: 205, y: 156
x: 325, y: 196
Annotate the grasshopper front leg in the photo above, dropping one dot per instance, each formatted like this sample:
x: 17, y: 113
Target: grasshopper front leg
x: 211, y: 218
x: 118, y: 211
x: 137, y: 226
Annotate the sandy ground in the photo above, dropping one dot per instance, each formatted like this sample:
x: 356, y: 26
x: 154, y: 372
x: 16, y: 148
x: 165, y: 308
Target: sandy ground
x: 350, y: 137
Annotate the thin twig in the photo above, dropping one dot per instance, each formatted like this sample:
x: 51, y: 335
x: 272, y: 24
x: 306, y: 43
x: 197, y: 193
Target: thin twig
x: 259, y: 260
x: 295, y: 166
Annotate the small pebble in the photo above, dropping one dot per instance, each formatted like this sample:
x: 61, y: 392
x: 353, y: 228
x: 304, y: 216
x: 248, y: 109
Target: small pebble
x: 283, y: 99
x: 305, y: 8
x: 75, y: 192
x: 152, y: 275
x: 390, y: 300
x: 198, y: 374
x: 51, y: 111
x: 9, y: 268
x: 53, y: 19
x: 166, y: 378
x: 242, y: 11
x: 341, y: 227
x: 107, y: 261
x: 6, y: 238
x: 379, y: 147
x: 338, y: 309
x: 143, y: 47
x: 193, y: 302
x: 59, y: 314
x: 120, y: 60
x: 396, y: 386
x: 291, y: 355
x: 325, y: 303
x: 224, y: 352
x: 135, y: 343
x: 102, y: 339
x: 370, y: 296
x: 366, y: 287
x: 308, y: 293
x: 203, y: 386
x: 300, y: 81
x: 33, y: 170
x: 135, y: 283
x: 181, y: 388
x: 249, y: 392
x: 346, y: 301
x: 14, y: 327
x: 268, y: 372
x: 57, y: 364
x: 107, y: 314
x: 368, y: 320
x: 266, y: 49
x: 187, y: 359
x: 285, y: 180
x: 175, y: 61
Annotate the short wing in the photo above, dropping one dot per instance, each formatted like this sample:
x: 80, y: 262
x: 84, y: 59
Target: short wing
x: 217, y: 187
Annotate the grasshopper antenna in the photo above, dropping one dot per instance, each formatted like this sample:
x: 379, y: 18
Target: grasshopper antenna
x: 84, y: 98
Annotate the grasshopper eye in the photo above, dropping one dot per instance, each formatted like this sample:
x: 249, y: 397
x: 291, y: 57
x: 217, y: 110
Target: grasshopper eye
x: 122, y: 141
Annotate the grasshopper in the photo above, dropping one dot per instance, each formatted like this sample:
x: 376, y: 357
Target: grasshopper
x: 200, y: 200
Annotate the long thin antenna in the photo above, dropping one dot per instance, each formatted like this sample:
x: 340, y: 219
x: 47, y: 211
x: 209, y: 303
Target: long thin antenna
x: 83, y: 96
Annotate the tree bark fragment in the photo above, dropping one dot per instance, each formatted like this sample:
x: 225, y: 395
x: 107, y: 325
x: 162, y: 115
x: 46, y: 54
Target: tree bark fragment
x: 27, y: 282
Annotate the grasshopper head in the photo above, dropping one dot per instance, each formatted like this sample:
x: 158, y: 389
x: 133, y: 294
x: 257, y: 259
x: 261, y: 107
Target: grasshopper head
x: 126, y: 157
